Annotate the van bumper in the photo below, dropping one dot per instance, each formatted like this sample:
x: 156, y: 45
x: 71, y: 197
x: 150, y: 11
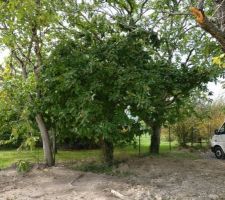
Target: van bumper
x: 213, y: 149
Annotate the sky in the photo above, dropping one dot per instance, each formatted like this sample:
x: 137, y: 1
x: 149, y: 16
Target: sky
x: 218, y: 91
x: 3, y: 55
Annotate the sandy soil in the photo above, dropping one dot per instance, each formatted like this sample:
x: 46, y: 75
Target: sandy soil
x: 148, y: 178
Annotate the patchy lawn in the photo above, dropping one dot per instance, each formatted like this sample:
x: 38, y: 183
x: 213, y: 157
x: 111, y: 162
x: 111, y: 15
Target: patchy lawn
x: 10, y: 157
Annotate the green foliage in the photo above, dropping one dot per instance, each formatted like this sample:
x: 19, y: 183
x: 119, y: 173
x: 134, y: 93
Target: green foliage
x: 23, y: 166
x: 92, y: 61
x: 200, y: 123
x: 86, y: 98
x: 16, y: 117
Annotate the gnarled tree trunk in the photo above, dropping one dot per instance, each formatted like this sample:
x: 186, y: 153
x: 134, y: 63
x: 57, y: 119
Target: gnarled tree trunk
x: 107, y: 149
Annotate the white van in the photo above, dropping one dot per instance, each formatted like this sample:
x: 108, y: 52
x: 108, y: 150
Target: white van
x: 218, y: 142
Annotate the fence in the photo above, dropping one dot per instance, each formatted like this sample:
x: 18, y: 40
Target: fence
x: 169, y: 144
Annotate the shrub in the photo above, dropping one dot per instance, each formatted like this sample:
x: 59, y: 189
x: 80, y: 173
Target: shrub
x: 23, y: 166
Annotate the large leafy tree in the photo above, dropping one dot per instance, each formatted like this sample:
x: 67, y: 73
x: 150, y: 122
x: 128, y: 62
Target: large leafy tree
x: 25, y: 31
x: 100, y: 65
x: 178, y: 70
x: 119, y: 61
x: 107, y: 59
x: 84, y: 97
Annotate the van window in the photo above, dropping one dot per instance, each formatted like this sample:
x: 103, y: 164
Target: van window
x: 222, y: 129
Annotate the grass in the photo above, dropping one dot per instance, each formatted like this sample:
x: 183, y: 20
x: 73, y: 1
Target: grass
x: 9, y: 157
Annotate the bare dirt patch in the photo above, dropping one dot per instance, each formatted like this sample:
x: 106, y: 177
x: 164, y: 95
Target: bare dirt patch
x: 148, y: 178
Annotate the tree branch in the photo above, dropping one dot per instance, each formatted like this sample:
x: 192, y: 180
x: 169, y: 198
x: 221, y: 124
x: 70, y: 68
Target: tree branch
x: 189, y: 56
x: 190, y: 53
x: 142, y: 7
x: 174, y: 13
x: 23, y: 67
x: 208, y: 26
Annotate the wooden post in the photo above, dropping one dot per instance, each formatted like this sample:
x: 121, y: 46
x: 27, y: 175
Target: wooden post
x: 200, y: 141
x: 192, y: 136
x: 170, y: 139
x: 209, y: 132
x: 139, y: 145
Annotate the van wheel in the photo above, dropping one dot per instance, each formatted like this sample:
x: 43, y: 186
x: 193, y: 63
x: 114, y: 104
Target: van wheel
x: 219, y: 153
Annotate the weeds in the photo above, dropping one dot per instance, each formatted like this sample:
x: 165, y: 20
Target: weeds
x: 23, y: 166
x: 102, y: 169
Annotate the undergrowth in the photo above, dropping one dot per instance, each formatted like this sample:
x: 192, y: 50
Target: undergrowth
x: 99, y: 168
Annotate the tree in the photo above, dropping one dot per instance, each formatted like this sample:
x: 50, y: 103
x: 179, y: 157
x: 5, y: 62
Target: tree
x: 106, y: 58
x: 87, y: 98
x: 95, y: 93
x: 123, y: 48
x: 25, y: 28
x: 178, y: 70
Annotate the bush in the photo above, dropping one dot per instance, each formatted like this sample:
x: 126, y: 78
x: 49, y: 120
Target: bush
x: 23, y: 166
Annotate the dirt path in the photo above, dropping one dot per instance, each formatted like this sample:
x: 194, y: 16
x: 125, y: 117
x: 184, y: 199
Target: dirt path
x: 149, y: 178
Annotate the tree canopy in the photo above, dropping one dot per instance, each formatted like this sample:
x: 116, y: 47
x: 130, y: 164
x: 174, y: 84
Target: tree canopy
x: 95, y: 69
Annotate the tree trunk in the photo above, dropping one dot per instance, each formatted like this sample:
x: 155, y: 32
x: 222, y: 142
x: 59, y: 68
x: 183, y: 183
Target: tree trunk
x: 155, y: 138
x: 53, y: 142
x: 54, y: 148
x: 184, y: 140
x: 107, y: 149
x: 48, y: 156
x: 184, y: 135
